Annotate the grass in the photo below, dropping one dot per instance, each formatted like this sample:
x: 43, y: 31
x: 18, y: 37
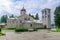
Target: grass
x: 8, y: 28
x: 57, y: 30
x: 21, y: 29
x: 35, y: 29
x: 0, y: 34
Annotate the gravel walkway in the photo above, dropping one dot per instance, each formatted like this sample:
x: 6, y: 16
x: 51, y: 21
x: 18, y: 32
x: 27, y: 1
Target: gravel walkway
x: 37, y: 35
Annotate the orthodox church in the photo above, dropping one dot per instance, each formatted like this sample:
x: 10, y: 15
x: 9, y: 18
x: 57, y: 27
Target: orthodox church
x: 26, y: 21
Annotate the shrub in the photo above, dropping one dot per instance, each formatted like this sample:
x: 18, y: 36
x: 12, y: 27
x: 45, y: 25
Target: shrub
x: 35, y: 29
x: 0, y: 32
x: 10, y: 28
x: 0, y: 29
x: 21, y: 29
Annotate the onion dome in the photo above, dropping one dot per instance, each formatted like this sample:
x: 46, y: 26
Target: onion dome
x: 23, y: 9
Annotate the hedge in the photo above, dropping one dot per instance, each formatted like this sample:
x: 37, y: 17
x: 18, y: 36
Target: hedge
x: 21, y: 29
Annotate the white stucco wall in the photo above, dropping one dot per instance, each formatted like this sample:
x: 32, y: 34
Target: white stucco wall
x: 11, y: 23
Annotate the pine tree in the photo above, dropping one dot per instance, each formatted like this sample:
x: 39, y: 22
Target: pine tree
x: 4, y: 19
x: 29, y: 14
x: 12, y: 16
x: 36, y: 17
x: 57, y: 16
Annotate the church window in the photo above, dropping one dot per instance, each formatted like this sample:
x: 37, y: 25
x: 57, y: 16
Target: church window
x: 31, y: 25
x: 43, y: 17
x: 27, y: 18
x: 49, y: 11
x: 48, y: 15
x: 45, y: 12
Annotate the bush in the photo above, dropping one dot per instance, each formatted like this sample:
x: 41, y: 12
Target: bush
x: 0, y: 29
x: 10, y: 28
x: 35, y: 29
x: 21, y: 29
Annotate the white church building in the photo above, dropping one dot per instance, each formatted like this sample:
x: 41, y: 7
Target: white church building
x: 26, y: 21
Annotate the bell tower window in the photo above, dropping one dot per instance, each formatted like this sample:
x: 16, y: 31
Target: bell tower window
x: 27, y: 18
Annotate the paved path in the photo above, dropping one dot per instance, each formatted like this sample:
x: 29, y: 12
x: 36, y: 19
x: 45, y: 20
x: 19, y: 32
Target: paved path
x: 37, y: 35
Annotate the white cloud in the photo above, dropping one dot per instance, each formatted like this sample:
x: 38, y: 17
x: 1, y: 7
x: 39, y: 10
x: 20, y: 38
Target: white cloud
x: 32, y: 6
x: 5, y: 5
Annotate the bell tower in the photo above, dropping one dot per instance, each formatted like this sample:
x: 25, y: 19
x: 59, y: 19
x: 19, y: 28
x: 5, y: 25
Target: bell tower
x: 23, y: 11
x: 46, y: 18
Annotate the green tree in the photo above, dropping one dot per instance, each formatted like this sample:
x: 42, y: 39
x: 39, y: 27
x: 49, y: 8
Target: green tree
x: 57, y: 16
x: 52, y: 24
x: 12, y: 16
x: 29, y: 14
x: 4, y: 19
x: 36, y: 17
x: 32, y: 16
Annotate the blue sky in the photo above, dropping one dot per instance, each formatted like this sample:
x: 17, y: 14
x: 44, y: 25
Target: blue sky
x: 32, y: 6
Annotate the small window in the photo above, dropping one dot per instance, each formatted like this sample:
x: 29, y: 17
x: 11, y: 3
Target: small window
x: 45, y: 12
x: 27, y: 18
x: 45, y: 16
x: 48, y: 15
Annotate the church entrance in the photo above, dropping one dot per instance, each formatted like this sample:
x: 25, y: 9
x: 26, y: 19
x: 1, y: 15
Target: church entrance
x: 45, y: 26
x: 30, y: 25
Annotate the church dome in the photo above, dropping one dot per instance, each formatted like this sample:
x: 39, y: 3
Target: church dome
x: 23, y: 9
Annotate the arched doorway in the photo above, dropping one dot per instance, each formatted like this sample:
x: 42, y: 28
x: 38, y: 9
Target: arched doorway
x: 30, y: 25
x: 45, y: 26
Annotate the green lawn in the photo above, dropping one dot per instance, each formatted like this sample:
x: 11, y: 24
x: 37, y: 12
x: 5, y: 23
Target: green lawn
x: 7, y: 28
x: 57, y: 30
x: 0, y: 34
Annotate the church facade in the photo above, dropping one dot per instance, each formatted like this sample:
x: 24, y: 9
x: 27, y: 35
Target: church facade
x: 26, y: 21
